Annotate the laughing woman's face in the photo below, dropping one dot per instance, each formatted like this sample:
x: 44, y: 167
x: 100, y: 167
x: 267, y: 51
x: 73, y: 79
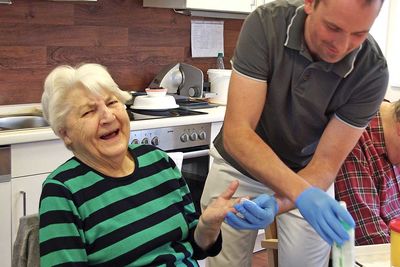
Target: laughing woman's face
x: 97, y: 127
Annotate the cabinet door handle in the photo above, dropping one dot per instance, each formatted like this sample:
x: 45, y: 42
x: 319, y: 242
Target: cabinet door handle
x: 23, y: 202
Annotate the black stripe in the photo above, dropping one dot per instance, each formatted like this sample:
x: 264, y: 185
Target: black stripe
x: 59, y: 216
x: 60, y: 243
x: 56, y: 190
x: 134, y: 228
x: 72, y: 173
x: 178, y: 247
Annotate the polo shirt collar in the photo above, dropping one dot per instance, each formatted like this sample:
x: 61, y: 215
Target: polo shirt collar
x: 295, y: 40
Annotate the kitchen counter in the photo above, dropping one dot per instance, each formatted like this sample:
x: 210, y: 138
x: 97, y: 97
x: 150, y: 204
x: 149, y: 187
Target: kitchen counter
x: 7, y: 137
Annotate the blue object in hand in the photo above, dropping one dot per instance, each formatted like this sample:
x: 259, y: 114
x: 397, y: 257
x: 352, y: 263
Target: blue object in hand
x: 255, y: 214
x: 324, y: 214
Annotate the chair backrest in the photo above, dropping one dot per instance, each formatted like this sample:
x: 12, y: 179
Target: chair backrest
x: 177, y: 158
x: 26, y: 246
x: 270, y: 243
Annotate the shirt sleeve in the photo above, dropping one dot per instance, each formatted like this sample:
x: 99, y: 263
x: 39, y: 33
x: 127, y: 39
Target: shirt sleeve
x: 367, y: 85
x: 60, y: 235
x: 251, y: 53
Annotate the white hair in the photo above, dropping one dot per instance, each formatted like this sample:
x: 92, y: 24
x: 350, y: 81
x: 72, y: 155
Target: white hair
x: 63, y: 79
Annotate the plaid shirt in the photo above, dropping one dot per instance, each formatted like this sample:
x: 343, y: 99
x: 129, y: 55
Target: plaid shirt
x: 370, y: 186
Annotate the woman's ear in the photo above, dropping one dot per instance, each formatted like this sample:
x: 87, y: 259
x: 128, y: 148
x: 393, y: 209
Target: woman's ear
x: 64, y: 136
x: 398, y: 128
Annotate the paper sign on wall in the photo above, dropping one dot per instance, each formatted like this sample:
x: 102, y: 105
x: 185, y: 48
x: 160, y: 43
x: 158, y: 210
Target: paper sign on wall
x: 207, y: 38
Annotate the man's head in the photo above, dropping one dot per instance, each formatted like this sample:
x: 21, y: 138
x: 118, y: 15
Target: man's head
x: 391, y: 127
x: 334, y: 28
x: 397, y: 111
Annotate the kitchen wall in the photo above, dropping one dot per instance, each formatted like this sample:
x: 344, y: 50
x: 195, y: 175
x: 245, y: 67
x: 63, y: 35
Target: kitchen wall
x: 132, y: 41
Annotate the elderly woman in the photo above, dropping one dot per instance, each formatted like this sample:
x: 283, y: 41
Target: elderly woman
x: 115, y: 204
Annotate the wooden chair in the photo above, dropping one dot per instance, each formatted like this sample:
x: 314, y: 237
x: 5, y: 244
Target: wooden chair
x: 270, y: 243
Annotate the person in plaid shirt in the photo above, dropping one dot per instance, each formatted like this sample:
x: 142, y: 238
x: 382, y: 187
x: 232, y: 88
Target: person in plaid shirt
x: 369, y: 180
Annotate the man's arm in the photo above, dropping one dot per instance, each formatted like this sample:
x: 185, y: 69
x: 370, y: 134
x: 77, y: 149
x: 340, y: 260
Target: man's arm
x: 246, y: 101
x: 241, y: 141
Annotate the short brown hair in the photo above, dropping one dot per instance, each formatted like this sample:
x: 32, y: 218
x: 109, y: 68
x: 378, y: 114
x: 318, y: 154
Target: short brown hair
x: 367, y: 2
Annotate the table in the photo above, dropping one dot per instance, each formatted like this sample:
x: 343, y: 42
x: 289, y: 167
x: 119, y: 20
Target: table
x: 373, y: 255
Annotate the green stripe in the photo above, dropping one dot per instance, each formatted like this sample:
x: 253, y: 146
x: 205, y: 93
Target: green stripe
x: 57, y: 230
x: 70, y: 164
x: 83, y: 181
x: 57, y: 204
x: 133, y: 215
x: 150, y: 157
x: 58, y: 257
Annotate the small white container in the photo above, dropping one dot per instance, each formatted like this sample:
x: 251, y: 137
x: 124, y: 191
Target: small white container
x: 344, y: 255
x: 219, y: 84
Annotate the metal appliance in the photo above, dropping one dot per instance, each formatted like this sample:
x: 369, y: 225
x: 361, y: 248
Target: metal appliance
x: 180, y: 78
x: 192, y: 140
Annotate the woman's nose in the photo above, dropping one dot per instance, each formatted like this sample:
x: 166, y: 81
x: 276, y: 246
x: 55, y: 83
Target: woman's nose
x: 106, y: 115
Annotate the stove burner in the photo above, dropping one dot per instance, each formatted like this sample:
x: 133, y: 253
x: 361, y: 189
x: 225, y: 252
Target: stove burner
x: 136, y: 114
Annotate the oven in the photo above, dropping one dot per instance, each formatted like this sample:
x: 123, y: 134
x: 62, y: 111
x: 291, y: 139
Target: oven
x: 193, y: 141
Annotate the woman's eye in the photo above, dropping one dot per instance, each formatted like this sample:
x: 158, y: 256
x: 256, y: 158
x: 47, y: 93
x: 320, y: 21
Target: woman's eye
x: 86, y: 113
x: 112, y: 102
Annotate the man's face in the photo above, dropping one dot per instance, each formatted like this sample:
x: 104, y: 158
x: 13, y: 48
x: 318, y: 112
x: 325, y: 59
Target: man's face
x: 335, y: 28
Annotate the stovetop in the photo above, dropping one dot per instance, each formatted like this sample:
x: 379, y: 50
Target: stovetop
x: 135, y: 115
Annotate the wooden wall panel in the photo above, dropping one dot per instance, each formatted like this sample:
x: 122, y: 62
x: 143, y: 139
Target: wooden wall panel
x: 133, y: 42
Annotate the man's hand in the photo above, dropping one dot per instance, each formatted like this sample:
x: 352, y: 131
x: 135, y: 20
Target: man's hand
x: 324, y: 214
x: 255, y: 214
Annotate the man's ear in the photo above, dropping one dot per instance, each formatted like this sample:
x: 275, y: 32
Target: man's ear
x: 308, y: 6
x: 64, y: 136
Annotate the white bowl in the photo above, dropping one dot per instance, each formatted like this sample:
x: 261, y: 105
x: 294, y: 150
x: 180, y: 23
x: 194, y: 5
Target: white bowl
x: 154, y: 103
x: 156, y: 92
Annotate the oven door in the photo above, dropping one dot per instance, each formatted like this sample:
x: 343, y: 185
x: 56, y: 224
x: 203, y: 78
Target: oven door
x: 194, y: 169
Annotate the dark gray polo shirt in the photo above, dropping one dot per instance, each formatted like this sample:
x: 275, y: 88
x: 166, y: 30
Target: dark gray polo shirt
x: 303, y: 94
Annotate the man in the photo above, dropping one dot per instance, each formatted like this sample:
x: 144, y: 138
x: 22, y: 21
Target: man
x: 369, y: 181
x: 306, y: 80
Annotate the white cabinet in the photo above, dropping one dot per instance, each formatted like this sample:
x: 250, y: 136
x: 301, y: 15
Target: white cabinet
x: 5, y: 224
x: 210, y: 6
x: 239, y: 6
x: 25, y: 195
x: 31, y: 163
x: 215, y: 127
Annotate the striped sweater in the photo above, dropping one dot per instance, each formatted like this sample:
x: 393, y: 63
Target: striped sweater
x: 144, y: 219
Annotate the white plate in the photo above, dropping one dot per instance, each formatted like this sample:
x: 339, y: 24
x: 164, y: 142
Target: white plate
x: 154, y: 108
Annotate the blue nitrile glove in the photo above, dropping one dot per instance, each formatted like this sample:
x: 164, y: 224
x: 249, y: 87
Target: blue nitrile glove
x: 255, y: 214
x: 324, y: 214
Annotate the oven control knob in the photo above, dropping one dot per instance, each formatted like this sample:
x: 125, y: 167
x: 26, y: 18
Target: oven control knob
x: 184, y: 137
x: 135, y: 141
x: 202, y: 135
x: 193, y: 136
x: 155, y: 141
x: 145, y: 141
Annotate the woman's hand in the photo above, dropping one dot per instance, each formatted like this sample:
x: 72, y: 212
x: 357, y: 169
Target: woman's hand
x: 215, y: 213
x: 210, y: 221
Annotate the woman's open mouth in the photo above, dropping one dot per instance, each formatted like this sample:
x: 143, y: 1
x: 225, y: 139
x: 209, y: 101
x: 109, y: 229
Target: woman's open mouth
x: 110, y: 135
